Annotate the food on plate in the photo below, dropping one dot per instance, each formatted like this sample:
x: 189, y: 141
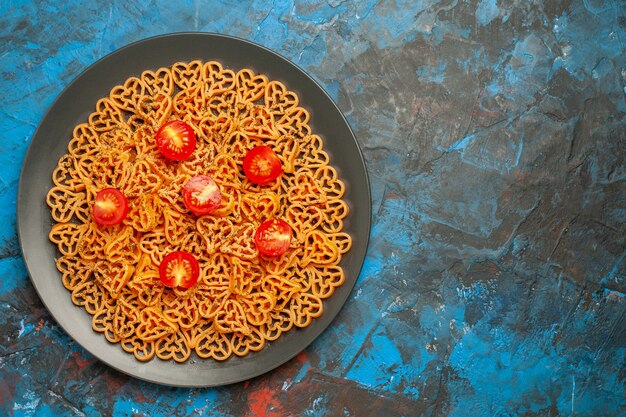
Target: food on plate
x: 196, y: 212
x: 201, y: 195
x: 179, y: 269
x: 176, y: 140
x: 262, y: 165
x: 110, y: 207
x: 273, y: 237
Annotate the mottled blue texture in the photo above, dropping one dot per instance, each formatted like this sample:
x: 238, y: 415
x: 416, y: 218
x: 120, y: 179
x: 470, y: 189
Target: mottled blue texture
x: 494, y: 134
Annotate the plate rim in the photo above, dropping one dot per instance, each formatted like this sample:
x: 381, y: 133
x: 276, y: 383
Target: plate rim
x: 32, y: 145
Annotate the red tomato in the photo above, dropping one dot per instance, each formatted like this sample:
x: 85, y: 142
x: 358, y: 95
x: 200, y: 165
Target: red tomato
x: 179, y: 269
x: 176, y: 140
x: 273, y: 237
x: 261, y: 165
x: 201, y: 195
x: 110, y: 207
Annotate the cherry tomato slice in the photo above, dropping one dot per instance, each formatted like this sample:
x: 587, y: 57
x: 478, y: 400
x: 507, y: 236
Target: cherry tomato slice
x: 261, y: 165
x: 273, y: 237
x: 110, y: 207
x: 201, y: 195
x: 179, y: 269
x: 176, y: 140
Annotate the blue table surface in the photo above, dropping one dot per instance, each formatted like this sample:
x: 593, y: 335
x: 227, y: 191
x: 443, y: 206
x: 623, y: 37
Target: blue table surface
x: 494, y: 136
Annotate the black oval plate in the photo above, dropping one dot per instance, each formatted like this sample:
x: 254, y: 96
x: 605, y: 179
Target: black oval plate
x: 75, y: 104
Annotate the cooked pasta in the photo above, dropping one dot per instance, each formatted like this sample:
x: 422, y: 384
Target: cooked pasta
x: 242, y: 299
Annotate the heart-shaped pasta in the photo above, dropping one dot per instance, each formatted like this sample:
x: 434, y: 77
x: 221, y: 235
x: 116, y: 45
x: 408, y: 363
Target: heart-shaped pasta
x: 242, y: 299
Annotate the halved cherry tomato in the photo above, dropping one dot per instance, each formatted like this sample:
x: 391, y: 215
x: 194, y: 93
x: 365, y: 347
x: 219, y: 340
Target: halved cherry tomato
x: 261, y: 165
x: 176, y: 140
x: 273, y: 237
x: 110, y: 207
x: 179, y: 269
x: 201, y: 195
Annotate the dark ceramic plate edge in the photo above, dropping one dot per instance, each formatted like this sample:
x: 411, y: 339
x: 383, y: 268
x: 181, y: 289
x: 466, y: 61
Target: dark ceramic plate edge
x: 365, y: 188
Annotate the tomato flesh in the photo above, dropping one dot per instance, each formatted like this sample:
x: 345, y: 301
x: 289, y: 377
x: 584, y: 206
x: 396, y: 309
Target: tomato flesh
x: 176, y: 140
x: 110, y: 207
x: 273, y: 237
x: 179, y: 269
x: 201, y: 195
x: 261, y: 165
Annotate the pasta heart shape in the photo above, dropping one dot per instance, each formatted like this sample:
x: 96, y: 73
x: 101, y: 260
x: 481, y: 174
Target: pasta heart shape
x: 211, y: 344
x: 176, y: 346
x: 102, y: 322
x: 83, y: 138
x: 242, y: 344
x: 125, y: 320
x: 221, y: 104
x: 342, y: 240
x: 280, y: 321
x: 303, y: 219
x: 238, y: 144
x: 217, y: 80
x: 318, y: 250
x: 295, y: 122
x: 277, y: 265
x: 334, y: 211
x: 258, y: 207
x: 325, y: 280
x: 89, y: 296
x: 329, y: 180
x: 186, y: 74
x: 278, y: 98
x: 232, y: 318
x: 65, y: 204
x: 287, y: 149
x: 64, y: 174
x: 305, y: 308
x: 225, y: 170
x: 154, y: 325
x: 143, y: 350
x: 189, y: 102
x: 74, y: 271
x: 106, y: 117
x: 180, y: 310
x: 156, y: 109
x: 93, y: 240
x: 127, y: 97
x: 110, y: 169
x: 250, y: 87
x: 113, y: 276
x: 304, y: 189
x: 157, y: 82
x: 258, y: 306
x: 67, y: 237
x: 195, y: 244
x: 313, y: 155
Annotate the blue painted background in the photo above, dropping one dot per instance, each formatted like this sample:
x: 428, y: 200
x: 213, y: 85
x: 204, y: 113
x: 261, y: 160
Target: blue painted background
x: 495, y: 137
